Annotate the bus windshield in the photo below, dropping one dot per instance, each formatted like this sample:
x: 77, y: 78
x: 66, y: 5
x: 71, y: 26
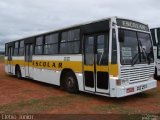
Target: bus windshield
x: 135, y: 48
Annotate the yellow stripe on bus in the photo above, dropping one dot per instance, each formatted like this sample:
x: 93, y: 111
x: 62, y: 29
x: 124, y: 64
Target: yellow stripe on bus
x: 53, y: 65
x: 76, y: 66
x: 89, y: 68
x: 102, y: 68
x: 113, y: 69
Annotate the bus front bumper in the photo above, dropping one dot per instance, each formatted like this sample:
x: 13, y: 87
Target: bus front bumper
x: 132, y: 89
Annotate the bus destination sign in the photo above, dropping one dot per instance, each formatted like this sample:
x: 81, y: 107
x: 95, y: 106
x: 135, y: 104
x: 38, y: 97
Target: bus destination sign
x: 132, y: 24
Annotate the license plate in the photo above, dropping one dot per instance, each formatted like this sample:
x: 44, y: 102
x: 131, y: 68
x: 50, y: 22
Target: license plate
x: 129, y: 90
x: 142, y: 87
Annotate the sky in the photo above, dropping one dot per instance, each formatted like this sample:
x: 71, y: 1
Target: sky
x: 23, y: 18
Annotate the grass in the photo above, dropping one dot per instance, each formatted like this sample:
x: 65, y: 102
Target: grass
x: 34, y: 106
x: 114, y: 108
x: 132, y: 117
x: 1, y: 58
x: 106, y: 107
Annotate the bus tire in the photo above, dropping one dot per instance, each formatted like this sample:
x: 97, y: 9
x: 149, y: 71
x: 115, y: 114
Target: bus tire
x: 71, y: 84
x: 18, y: 72
x: 155, y: 74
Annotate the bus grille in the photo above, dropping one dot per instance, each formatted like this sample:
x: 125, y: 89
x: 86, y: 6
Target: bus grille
x: 137, y: 74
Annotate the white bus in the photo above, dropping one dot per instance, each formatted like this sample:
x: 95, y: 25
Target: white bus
x: 156, y: 45
x: 109, y: 57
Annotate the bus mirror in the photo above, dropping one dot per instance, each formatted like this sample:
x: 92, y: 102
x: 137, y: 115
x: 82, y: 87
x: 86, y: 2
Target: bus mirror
x: 121, y: 35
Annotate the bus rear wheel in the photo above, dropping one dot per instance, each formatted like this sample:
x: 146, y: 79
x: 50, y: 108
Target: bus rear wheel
x: 18, y: 73
x: 71, y: 84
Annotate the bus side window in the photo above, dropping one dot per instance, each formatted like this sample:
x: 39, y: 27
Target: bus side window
x: 70, y: 42
x: 158, y: 51
x: 102, y: 49
x: 39, y: 46
x: 21, y: 48
x: 153, y: 37
x: 16, y: 47
x: 51, y: 44
x: 89, y: 50
x: 114, y: 47
x: 158, y: 35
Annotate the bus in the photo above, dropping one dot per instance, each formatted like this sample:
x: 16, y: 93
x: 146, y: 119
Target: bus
x: 110, y: 57
x: 156, y: 45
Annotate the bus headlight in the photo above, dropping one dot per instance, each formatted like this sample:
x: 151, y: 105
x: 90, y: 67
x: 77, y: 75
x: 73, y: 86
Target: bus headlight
x: 125, y: 82
x: 120, y: 82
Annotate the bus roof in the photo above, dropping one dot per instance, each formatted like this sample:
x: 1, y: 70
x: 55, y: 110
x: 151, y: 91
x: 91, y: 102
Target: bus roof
x: 75, y: 26
x: 155, y: 28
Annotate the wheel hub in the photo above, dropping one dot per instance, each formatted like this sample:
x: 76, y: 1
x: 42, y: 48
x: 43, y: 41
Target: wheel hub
x: 70, y: 83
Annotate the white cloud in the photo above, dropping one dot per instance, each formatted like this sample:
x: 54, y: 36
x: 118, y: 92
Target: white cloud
x: 21, y: 18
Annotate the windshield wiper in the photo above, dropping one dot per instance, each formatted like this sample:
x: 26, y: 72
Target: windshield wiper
x: 132, y: 61
x: 139, y: 53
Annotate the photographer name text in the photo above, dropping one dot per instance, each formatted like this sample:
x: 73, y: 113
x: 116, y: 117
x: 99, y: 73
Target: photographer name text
x: 17, y: 117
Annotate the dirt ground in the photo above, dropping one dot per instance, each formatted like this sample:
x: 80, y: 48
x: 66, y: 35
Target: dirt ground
x: 26, y: 96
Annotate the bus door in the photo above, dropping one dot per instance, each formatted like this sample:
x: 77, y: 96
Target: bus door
x: 28, y: 59
x: 96, y: 76
x: 10, y: 62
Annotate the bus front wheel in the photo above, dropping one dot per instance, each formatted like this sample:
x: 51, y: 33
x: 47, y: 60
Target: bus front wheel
x: 71, y: 84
